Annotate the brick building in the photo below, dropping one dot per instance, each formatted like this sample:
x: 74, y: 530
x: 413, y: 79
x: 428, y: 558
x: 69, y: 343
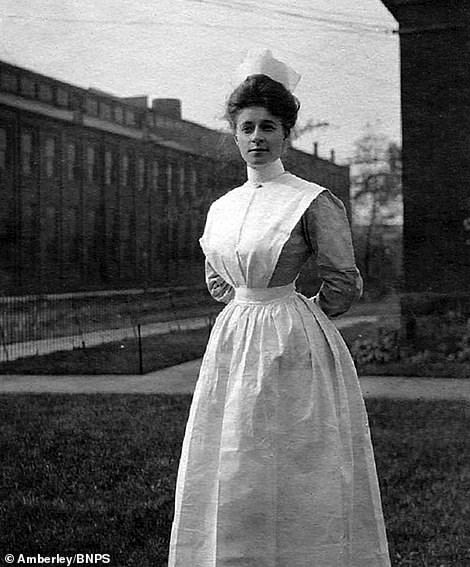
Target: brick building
x: 103, y: 192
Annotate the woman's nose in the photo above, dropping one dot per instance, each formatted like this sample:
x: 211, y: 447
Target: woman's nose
x: 257, y: 135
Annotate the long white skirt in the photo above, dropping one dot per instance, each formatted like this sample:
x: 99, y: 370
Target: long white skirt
x: 277, y: 467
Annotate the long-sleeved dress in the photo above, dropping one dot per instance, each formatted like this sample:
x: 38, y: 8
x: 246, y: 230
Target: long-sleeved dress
x: 277, y: 467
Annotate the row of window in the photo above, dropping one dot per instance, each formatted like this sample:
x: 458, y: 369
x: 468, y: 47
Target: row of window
x: 66, y: 241
x: 30, y: 87
x: 187, y: 179
x: 87, y: 243
x: 103, y: 107
x: 52, y: 93
x: 121, y: 239
x: 111, y: 111
x: 100, y: 231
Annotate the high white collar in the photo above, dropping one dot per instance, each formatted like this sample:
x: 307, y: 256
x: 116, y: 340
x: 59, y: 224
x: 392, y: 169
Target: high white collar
x: 266, y: 172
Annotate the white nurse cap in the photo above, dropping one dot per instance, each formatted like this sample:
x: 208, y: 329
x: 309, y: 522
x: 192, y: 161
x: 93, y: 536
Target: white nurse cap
x: 261, y: 61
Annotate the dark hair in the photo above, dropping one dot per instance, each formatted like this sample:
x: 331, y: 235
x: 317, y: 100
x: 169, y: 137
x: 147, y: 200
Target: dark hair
x: 261, y: 90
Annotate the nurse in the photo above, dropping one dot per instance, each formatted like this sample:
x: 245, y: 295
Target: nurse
x: 277, y: 467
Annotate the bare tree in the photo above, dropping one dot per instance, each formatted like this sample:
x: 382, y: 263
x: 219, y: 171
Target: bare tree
x: 376, y: 187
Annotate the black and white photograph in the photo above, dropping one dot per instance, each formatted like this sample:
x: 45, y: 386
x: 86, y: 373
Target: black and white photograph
x: 235, y: 283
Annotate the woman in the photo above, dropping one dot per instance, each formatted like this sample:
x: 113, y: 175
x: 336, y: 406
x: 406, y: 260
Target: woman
x: 277, y: 468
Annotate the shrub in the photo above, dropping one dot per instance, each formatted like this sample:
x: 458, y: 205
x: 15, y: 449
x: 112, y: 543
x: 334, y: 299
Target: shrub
x: 382, y: 348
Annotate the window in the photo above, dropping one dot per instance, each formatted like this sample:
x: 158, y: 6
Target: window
x: 205, y: 180
x: 62, y: 97
x: 45, y: 92
x: 71, y: 242
x: 49, y: 157
x: 9, y: 81
x: 118, y: 114
x: 125, y: 170
x: 51, y: 232
x: 108, y: 167
x: 175, y: 232
x: 105, y: 111
x: 193, y: 182
x: 71, y: 160
x: 3, y: 148
x: 181, y: 180
x: 125, y: 226
x: 29, y: 233
x: 28, y: 88
x: 90, y: 162
x: 185, y: 237
x: 26, y: 153
x: 169, y: 178
x: 90, y: 239
x: 155, y: 175
x: 130, y: 117
x: 92, y: 106
x: 140, y: 174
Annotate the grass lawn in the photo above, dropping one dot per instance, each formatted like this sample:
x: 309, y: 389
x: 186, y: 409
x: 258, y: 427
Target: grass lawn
x: 96, y: 473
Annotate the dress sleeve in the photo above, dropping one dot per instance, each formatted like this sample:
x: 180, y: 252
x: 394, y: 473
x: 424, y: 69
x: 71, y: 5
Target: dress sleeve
x: 217, y: 286
x: 326, y: 228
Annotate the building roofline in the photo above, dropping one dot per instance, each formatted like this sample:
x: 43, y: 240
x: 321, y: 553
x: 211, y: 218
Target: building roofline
x: 141, y: 130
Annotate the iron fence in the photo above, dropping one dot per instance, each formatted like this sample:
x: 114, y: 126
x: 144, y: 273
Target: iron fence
x: 35, y: 326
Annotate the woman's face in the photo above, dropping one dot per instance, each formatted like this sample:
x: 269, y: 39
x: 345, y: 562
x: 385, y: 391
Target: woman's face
x: 259, y: 136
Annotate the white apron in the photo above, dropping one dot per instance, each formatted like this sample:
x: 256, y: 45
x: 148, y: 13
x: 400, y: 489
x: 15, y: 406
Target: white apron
x: 277, y: 468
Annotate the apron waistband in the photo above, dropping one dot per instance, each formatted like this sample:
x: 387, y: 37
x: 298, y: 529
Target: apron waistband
x: 263, y: 294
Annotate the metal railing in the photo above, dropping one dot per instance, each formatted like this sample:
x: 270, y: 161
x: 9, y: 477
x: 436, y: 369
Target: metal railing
x: 37, y: 325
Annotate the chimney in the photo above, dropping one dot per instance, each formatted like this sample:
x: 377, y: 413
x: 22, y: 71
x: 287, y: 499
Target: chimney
x: 332, y: 156
x: 315, y: 149
x: 170, y: 107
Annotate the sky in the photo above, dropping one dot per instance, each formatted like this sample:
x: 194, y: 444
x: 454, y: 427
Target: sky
x: 347, y: 53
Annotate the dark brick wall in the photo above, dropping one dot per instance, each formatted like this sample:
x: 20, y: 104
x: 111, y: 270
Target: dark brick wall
x: 435, y: 75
